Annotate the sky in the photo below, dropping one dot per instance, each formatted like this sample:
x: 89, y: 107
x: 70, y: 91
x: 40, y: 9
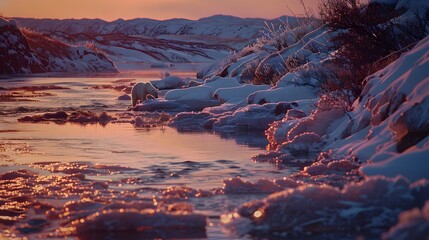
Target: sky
x: 156, y: 9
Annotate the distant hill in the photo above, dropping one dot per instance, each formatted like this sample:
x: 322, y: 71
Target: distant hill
x: 218, y: 25
x: 157, y: 42
x: 23, y: 51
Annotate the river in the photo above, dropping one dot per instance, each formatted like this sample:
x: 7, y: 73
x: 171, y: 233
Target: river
x: 131, y: 158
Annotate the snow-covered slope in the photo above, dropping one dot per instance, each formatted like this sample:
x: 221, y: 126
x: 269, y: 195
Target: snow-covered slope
x: 388, y: 134
x: 390, y: 127
x: 16, y: 55
x: 219, y: 25
x: 157, y: 42
x: 122, y: 48
x: 62, y: 57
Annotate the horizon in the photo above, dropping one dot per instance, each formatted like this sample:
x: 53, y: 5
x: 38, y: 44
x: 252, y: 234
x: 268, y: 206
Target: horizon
x: 47, y: 18
x: 111, y: 10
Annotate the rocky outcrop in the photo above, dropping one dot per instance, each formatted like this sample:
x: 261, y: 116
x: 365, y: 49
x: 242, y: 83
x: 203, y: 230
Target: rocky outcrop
x: 16, y: 55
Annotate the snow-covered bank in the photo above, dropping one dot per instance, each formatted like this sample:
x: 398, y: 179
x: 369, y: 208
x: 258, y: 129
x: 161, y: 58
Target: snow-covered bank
x: 390, y: 124
x: 362, y: 164
x: 225, y: 105
x: 387, y: 134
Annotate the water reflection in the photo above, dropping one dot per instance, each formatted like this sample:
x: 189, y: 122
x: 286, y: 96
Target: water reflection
x: 147, y: 234
x: 92, y: 166
x: 249, y: 138
x: 162, y: 155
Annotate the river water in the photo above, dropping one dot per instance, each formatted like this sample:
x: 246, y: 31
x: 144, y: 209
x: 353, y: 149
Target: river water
x: 131, y: 158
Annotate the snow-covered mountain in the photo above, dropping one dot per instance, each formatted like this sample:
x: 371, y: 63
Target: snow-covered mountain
x: 157, y: 42
x: 16, y: 55
x: 219, y: 25
x: 24, y: 52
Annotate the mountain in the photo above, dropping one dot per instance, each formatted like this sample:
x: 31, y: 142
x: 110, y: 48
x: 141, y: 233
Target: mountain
x: 157, y: 42
x: 218, y: 25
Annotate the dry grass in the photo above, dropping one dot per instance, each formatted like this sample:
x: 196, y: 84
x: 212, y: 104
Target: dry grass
x: 46, y: 46
x: 93, y: 47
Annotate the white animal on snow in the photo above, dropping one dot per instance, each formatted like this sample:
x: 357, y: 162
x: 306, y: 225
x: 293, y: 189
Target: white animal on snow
x: 140, y: 91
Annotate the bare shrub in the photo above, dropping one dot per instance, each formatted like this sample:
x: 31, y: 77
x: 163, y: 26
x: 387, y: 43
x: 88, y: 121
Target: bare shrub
x: 314, y: 75
x: 287, y: 33
x: 370, y: 37
x: 370, y: 29
x: 295, y: 61
x: 248, y: 73
x: 44, y: 45
x: 273, y: 35
x: 270, y: 76
x: 336, y: 99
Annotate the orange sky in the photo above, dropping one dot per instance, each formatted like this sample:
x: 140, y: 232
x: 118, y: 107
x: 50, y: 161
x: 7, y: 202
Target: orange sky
x: 157, y: 9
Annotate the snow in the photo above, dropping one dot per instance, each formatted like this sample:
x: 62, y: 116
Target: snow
x: 390, y: 125
x: 79, y: 59
x: 282, y: 94
x: 169, y: 82
x: 412, y: 224
x: 298, y: 133
x: 414, y: 165
x: 204, y: 92
x: 231, y: 117
x: 153, y: 41
x: 387, y: 131
x: 188, y: 99
x: 316, y: 210
x: 192, y: 93
x: 251, y: 117
x: 238, y: 94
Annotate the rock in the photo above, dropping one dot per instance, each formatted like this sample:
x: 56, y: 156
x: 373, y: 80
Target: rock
x: 124, y: 97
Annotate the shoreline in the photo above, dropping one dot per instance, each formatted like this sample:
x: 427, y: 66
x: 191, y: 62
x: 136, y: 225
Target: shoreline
x: 128, y: 70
